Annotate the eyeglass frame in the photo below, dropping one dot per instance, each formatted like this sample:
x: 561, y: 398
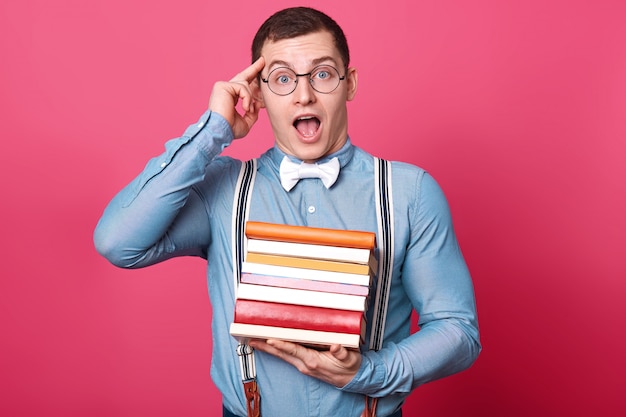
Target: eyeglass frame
x: 308, y: 74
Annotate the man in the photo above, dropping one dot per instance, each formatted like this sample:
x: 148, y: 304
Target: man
x: 181, y: 205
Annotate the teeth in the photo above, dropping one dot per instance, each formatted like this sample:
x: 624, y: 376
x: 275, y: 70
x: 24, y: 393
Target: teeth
x: 300, y: 119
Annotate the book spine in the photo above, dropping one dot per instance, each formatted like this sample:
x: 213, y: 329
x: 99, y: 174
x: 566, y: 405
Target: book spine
x: 304, y: 284
x: 314, y: 235
x: 246, y: 332
x: 316, y: 264
x: 306, y: 250
x: 301, y: 297
x: 307, y: 274
x: 299, y: 317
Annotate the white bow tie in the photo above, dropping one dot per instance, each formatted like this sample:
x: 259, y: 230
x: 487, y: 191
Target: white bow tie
x: 292, y: 172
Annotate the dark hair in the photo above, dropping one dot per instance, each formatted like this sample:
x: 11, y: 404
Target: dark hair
x: 298, y: 21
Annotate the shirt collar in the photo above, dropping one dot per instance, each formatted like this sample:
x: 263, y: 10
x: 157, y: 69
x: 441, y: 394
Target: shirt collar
x: 344, y: 155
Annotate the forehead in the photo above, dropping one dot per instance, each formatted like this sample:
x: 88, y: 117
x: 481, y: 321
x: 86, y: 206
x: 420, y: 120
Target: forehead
x: 302, y: 51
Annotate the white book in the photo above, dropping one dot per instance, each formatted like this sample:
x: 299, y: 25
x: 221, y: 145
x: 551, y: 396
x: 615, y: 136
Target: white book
x: 301, y: 297
x: 303, y: 273
x: 313, y: 251
x: 245, y: 332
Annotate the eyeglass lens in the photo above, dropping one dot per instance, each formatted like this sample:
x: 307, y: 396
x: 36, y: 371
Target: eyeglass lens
x: 323, y: 79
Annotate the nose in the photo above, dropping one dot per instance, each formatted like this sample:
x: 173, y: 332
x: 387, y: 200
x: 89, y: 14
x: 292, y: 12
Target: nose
x: 304, y: 92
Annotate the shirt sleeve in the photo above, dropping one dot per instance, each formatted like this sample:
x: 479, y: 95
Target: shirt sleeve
x: 158, y: 215
x: 437, y: 281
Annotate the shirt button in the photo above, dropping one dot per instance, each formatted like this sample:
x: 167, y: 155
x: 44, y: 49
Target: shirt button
x: 163, y: 165
x: 200, y: 124
x: 311, y: 209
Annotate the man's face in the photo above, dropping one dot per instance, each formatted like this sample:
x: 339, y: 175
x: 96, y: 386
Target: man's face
x: 307, y: 124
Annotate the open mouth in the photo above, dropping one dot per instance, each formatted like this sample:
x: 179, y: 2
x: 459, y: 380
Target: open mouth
x: 307, y: 126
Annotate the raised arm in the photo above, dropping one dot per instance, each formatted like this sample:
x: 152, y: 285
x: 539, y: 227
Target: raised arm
x: 159, y: 215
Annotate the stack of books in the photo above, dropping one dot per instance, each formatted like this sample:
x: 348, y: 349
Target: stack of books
x: 306, y: 285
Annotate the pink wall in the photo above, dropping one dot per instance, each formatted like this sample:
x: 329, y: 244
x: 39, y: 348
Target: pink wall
x: 517, y: 108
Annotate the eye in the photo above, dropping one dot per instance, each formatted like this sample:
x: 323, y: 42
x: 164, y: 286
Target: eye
x: 283, y: 79
x: 323, y: 74
x: 282, y: 76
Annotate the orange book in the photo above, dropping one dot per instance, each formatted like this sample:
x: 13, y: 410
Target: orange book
x: 294, y: 262
x: 307, y: 274
x: 313, y: 235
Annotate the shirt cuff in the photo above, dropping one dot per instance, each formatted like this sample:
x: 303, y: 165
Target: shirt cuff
x: 370, y: 377
x: 211, y: 133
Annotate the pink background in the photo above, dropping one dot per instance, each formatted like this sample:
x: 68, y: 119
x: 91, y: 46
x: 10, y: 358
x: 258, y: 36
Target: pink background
x: 517, y: 108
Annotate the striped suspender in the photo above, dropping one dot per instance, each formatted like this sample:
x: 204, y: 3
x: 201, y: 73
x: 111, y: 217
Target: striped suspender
x: 384, y: 216
x: 241, y: 203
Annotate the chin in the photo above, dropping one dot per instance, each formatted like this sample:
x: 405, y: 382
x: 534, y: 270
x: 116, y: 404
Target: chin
x: 306, y: 152
x: 310, y: 155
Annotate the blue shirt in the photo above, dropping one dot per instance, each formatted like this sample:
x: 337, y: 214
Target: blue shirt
x: 181, y: 205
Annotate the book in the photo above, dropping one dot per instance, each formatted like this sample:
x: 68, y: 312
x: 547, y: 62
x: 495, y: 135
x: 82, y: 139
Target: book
x: 301, y: 297
x: 313, y: 251
x: 300, y: 317
x: 304, y: 284
x: 317, y: 264
x: 246, y: 332
x: 313, y: 235
x: 307, y: 274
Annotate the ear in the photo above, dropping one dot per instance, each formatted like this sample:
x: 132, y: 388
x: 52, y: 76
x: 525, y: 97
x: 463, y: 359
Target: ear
x: 257, y: 94
x: 352, y: 80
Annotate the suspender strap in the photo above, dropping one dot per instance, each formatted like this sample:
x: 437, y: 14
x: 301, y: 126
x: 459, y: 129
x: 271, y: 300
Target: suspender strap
x: 384, y: 216
x: 243, y: 193
x: 241, y: 203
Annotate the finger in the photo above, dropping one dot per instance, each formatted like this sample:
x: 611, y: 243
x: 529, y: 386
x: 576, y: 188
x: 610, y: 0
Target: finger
x: 250, y: 73
x: 274, y: 347
x: 250, y: 118
x: 287, y: 348
x: 250, y: 100
x: 283, y: 350
x: 339, y: 352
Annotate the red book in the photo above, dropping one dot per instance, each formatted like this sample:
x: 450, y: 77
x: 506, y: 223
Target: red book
x: 299, y: 317
x: 312, y: 235
x: 304, y: 284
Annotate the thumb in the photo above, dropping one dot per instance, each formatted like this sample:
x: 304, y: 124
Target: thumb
x: 339, y: 352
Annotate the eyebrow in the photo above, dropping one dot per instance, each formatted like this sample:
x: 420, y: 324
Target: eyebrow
x: 314, y: 63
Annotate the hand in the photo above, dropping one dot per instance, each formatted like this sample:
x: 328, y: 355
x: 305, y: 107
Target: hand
x: 245, y: 87
x: 336, y: 366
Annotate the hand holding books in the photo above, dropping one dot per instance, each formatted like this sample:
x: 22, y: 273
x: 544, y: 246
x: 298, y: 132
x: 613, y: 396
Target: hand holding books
x: 336, y: 365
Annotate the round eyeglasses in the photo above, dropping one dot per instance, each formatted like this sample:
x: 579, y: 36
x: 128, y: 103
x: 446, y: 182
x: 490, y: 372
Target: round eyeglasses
x: 323, y: 79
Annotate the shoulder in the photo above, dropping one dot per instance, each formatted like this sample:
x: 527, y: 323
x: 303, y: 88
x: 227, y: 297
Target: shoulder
x: 225, y: 165
x: 221, y: 176
x: 415, y: 188
x: 405, y: 171
x: 366, y: 159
